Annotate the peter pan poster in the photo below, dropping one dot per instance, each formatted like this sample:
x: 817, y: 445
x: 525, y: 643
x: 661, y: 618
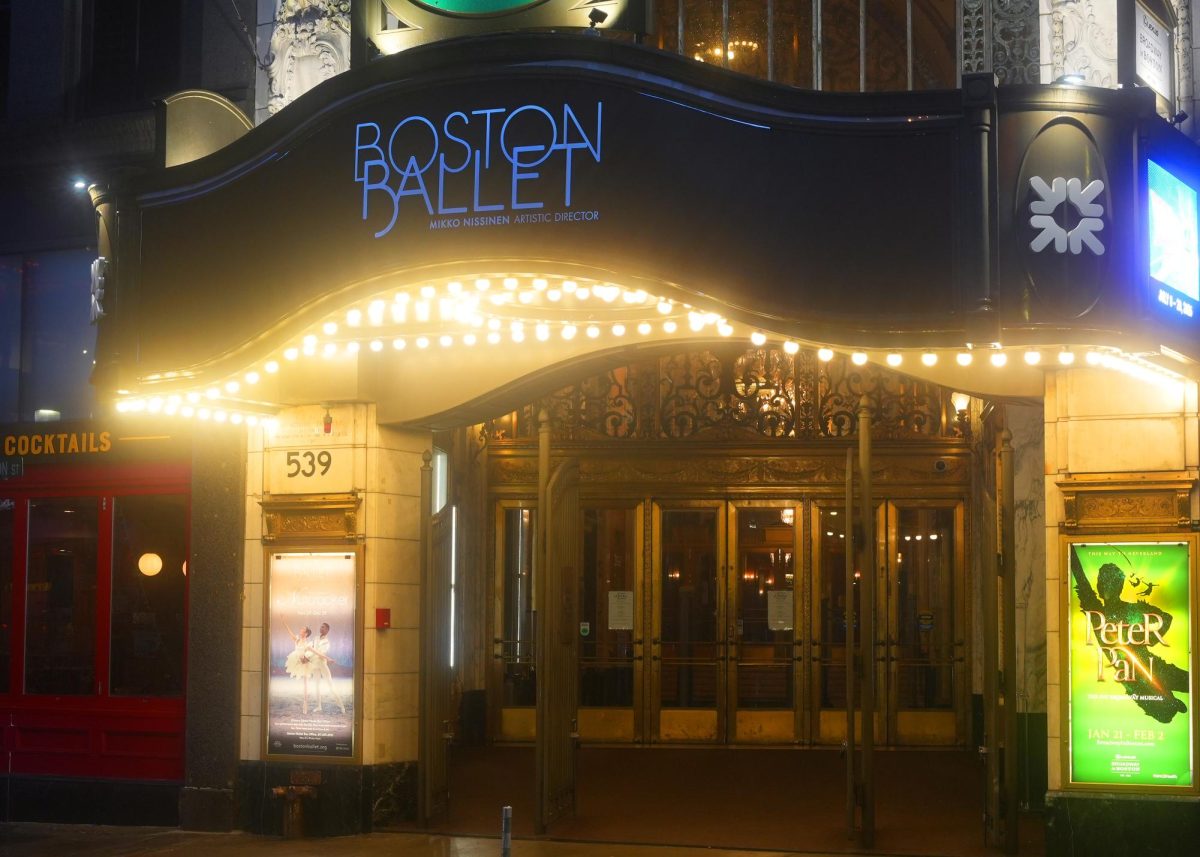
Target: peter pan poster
x: 1129, y: 651
x: 310, y: 633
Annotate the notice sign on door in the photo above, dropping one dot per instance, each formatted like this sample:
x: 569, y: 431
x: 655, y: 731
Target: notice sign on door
x: 1130, y: 626
x: 779, y: 610
x: 620, y: 610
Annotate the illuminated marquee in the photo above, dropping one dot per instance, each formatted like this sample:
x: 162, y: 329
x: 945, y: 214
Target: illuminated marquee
x: 456, y: 165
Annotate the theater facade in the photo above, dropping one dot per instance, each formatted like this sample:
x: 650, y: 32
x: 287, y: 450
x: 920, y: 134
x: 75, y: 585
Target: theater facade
x: 529, y: 372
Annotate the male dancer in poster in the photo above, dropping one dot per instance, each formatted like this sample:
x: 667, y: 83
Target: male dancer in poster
x: 321, y: 648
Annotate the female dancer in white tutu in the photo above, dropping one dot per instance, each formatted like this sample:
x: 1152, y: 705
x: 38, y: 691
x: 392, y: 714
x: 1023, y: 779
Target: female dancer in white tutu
x: 303, y: 662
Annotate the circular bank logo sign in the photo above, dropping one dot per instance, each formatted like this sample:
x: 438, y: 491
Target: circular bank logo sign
x: 477, y: 7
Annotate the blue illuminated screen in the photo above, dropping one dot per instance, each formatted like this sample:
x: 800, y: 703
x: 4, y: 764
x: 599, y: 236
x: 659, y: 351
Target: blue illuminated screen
x: 1174, y: 251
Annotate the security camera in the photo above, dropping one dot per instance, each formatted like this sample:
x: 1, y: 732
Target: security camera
x: 597, y: 16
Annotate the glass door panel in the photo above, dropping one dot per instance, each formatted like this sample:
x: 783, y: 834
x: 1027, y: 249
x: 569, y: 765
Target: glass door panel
x: 829, y: 679
x: 610, y: 642
x: 515, y: 540
x: 60, y: 597
x: 763, y: 656
x: 925, y: 651
x: 688, y: 647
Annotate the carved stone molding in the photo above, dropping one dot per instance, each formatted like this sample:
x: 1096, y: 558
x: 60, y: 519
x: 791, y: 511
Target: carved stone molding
x: 654, y: 472
x: 310, y: 44
x: 1083, y: 40
x: 975, y: 42
x: 1156, y: 502
x: 323, y: 518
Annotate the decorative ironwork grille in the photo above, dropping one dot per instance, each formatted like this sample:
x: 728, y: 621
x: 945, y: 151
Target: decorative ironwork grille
x: 736, y: 394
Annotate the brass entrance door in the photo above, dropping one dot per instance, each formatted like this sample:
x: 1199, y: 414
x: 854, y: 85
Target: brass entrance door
x: 688, y: 646
x: 766, y: 649
x: 918, y: 649
x: 725, y: 659
x: 925, y: 647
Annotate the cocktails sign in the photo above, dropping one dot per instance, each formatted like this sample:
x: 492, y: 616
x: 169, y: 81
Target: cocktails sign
x: 1129, y: 649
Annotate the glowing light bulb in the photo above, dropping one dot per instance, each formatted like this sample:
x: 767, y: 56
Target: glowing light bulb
x: 724, y: 328
x: 291, y: 353
x: 618, y: 329
x: 510, y: 283
x: 758, y: 338
x: 445, y: 340
x: 482, y: 285
x: 670, y: 326
x: 859, y: 358
x: 271, y: 367
x: 399, y: 344
x: 644, y: 328
x: 1066, y: 358
x: 824, y: 354
x: 469, y: 339
x: 894, y: 359
x: 329, y: 328
x: 493, y: 338
x: 376, y: 345
x: 1033, y: 358
x: 999, y: 358
x: 929, y: 359
x: 569, y: 331
x: 963, y: 358
x: 354, y: 317
x: 664, y: 306
x: 790, y: 347
x: 422, y: 342
x: 542, y: 332
x: 592, y: 331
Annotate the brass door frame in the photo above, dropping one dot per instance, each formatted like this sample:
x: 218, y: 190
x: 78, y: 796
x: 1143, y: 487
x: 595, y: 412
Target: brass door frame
x: 507, y: 723
x: 603, y: 724
x: 888, y: 676
x: 828, y: 725
x: 800, y: 627
x: 654, y: 674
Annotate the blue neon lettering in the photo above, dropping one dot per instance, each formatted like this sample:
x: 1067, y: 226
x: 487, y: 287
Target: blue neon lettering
x: 460, y: 145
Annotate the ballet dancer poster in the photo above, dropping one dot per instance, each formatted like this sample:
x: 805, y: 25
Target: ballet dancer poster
x: 311, y: 653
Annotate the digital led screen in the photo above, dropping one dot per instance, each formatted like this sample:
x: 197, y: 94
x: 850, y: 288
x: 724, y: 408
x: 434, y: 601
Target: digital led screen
x: 1174, y: 252
x: 1129, y: 652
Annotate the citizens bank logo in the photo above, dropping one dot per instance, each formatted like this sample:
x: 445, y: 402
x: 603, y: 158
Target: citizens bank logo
x: 1066, y: 194
x: 483, y: 164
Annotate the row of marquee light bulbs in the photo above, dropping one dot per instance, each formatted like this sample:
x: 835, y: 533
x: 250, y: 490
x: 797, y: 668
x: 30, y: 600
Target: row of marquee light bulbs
x: 427, y: 307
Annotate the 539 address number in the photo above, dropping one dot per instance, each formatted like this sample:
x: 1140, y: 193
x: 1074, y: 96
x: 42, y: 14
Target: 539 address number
x: 308, y: 463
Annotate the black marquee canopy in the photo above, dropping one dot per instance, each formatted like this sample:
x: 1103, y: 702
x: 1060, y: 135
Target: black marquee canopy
x: 907, y: 220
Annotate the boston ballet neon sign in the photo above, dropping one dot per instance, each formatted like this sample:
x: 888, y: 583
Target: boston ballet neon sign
x: 447, y: 165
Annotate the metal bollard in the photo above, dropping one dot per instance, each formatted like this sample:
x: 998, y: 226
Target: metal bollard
x: 506, y: 831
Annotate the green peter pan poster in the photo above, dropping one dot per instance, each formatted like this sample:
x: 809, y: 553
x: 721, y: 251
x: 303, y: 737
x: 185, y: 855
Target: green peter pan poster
x: 1129, y: 650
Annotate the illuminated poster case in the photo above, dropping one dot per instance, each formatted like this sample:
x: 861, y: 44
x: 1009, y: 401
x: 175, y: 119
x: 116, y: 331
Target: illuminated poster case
x: 312, y: 694
x: 1129, y: 635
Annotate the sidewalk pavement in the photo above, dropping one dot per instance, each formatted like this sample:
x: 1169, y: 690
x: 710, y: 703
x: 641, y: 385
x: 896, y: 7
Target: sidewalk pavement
x: 55, y: 840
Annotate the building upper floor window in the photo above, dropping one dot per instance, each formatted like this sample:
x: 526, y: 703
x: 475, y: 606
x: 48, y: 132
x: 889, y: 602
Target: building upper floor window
x: 131, y: 53
x: 832, y: 45
x: 47, y: 341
